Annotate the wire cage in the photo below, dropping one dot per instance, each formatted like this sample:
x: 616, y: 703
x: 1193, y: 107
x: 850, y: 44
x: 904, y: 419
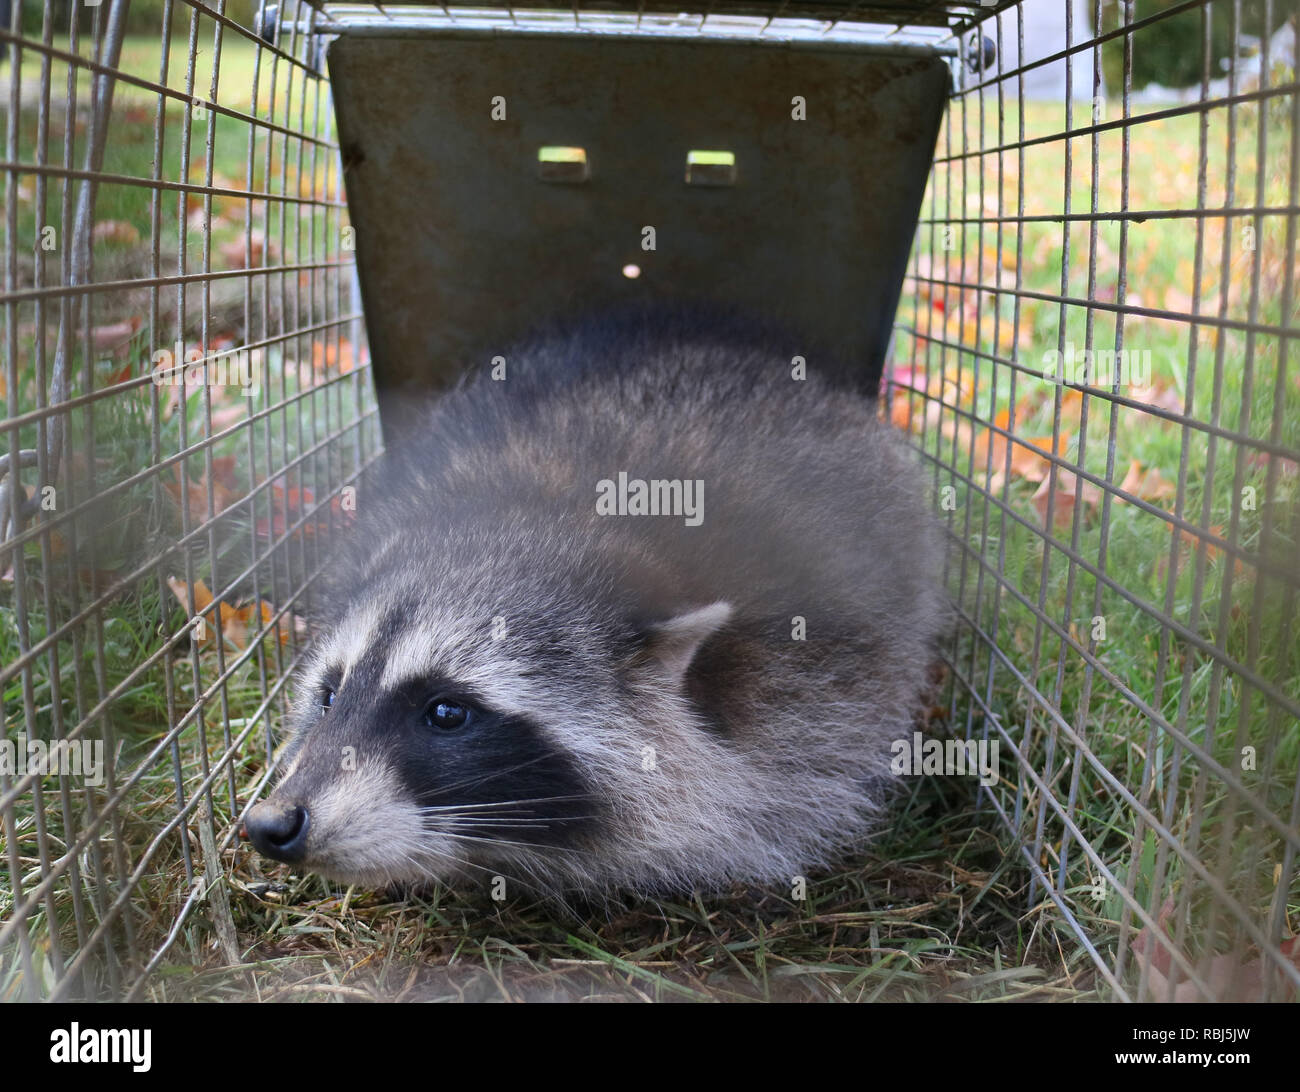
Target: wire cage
x: 1091, y: 355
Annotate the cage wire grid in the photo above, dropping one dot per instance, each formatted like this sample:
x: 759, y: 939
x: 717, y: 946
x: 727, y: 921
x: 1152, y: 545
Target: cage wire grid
x: 972, y: 445
x: 227, y: 491
x: 235, y: 502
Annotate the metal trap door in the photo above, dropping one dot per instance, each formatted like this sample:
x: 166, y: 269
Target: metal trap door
x: 498, y: 181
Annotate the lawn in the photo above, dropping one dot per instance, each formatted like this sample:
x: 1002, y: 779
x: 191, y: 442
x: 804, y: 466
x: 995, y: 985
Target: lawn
x: 954, y: 379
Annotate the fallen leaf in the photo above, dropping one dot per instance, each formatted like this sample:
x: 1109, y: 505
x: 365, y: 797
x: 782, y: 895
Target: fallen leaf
x: 225, y: 490
x: 1072, y: 406
x: 325, y: 356
x: 1068, y: 493
x: 118, y: 232
x: 906, y: 376
x: 1161, y: 396
x: 1177, y: 301
x: 1149, y: 485
x: 990, y: 449
x: 904, y: 411
x: 233, y: 251
x: 288, y: 505
x: 284, y: 627
x: 1190, y: 544
x: 202, y: 596
x: 1234, y: 977
x: 1288, y: 468
x: 222, y: 617
x: 114, y: 334
x: 1032, y: 463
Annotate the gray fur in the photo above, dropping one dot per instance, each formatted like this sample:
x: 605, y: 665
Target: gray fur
x: 658, y: 657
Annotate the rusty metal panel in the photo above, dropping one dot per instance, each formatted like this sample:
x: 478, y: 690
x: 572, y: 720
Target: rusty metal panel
x: 462, y: 244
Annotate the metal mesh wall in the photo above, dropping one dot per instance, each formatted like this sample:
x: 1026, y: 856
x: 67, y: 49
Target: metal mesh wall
x: 187, y: 403
x: 1092, y: 355
x: 1096, y: 362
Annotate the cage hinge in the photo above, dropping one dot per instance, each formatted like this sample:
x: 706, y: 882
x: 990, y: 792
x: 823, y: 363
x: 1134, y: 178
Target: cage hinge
x: 981, y: 52
x: 268, y: 27
x: 266, y: 23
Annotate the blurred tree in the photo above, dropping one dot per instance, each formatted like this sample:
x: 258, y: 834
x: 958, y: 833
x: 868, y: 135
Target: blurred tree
x: 1171, y: 52
x: 143, y: 19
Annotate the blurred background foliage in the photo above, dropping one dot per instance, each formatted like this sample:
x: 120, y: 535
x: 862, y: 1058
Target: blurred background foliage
x: 144, y: 18
x: 1171, y: 52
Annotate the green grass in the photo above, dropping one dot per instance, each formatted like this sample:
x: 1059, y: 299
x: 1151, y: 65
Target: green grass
x: 124, y: 544
x: 925, y: 915
x: 1249, y: 498
x: 939, y: 906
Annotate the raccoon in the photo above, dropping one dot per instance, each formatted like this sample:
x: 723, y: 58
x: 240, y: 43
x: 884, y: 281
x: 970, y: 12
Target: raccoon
x: 641, y: 614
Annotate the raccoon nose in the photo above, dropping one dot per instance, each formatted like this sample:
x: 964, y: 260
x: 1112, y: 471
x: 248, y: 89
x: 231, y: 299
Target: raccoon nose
x: 278, y: 830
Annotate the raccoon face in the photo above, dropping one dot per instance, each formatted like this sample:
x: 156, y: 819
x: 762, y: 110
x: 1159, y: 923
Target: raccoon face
x: 428, y: 749
x: 405, y: 774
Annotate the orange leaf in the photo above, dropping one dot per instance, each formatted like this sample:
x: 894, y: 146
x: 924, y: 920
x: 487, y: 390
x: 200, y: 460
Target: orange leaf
x: 1030, y: 462
x: 990, y: 441
x: 1072, y: 406
x: 284, y: 627
x: 1150, y: 485
x: 223, y: 473
x: 1067, y: 495
x: 234, y: 625
x: 325, y: 356
x: 202, y: 596
x: 227, y: 620
x: 902, y: 413
x: 223, y: 494
x: 1189, y: 545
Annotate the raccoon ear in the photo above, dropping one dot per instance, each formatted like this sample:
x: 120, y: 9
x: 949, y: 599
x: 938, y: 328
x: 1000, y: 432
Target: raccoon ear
x: 670, y: 646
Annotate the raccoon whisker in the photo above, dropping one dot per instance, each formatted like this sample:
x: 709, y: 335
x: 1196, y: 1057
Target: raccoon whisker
x: 474, y: 782
x: 444, y: 808
x: 455, y: 828
x: 544, y: 824
x: 505, y: 842
x: 522, y: 808
x: 542, y: 885
x: 422, y: 861
x: 490, y: 828
x: 539, y: 887
x: 465, y: 862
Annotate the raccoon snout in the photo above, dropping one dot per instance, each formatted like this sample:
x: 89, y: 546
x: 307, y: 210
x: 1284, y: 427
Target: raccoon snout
x: 278, y: 830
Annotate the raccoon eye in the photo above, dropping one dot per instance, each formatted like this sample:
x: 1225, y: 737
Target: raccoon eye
x: 326, y: 698
x: 445, y: 714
